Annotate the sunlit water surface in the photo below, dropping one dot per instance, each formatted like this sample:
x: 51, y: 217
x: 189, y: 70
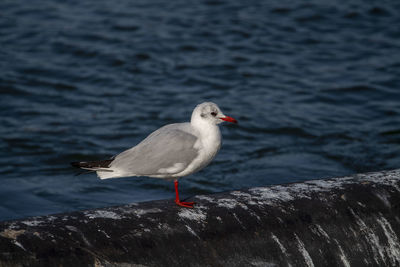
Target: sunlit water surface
x: 315, y: 86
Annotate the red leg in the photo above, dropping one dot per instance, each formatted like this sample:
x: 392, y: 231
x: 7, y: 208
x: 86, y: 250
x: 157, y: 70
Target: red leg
x: 177, y: 201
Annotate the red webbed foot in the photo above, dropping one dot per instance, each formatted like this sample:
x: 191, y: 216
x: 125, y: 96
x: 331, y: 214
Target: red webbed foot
x: 181, y: 203
x: 184, y: 204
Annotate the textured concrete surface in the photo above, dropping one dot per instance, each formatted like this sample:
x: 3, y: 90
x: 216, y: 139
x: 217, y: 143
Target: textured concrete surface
x: 348, y: 221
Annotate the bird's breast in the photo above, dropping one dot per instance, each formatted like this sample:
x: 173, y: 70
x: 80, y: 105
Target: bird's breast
x: 209, y: 144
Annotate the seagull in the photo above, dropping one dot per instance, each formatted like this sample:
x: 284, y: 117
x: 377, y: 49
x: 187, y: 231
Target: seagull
x: 171, y: 152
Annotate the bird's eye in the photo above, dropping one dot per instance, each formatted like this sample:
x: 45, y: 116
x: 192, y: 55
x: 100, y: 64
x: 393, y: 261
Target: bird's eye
x: 214, y: 113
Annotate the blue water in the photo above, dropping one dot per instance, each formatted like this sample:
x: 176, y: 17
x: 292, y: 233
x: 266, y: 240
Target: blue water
x: 315, y: 86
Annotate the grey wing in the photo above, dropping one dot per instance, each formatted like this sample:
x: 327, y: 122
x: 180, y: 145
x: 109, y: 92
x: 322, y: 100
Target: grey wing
x: 167, y: 151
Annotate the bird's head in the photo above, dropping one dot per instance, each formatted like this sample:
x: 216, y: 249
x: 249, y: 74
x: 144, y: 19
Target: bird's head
x: 210, y: 112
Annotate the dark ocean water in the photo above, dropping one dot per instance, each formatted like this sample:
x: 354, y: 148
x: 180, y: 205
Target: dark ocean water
x: 315, y: 86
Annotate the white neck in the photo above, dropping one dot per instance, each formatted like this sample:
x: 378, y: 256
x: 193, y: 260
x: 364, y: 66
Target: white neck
x: 209, y: 132
x: 209, y: 140
x: 203, y: 126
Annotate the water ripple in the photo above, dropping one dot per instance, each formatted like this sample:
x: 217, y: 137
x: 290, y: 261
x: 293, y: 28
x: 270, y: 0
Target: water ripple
x: 314, y: 87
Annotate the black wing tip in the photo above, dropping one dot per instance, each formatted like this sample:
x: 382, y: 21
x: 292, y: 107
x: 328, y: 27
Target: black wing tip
x: 92, y: 164
x: 76, y: 164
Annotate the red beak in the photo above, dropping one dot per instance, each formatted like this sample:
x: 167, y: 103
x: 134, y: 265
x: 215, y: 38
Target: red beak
x: 229, y: 119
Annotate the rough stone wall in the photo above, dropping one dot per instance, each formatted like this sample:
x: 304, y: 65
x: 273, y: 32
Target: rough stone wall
x: 348, y: 221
